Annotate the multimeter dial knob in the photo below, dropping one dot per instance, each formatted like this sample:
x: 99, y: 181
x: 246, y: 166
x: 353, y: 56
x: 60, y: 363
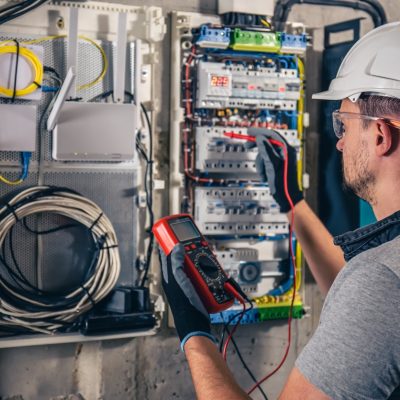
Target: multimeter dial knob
x: 208, y: 266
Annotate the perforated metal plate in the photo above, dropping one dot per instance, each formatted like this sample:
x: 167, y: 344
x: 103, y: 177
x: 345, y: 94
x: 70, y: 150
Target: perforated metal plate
x: 90, y: 64
x: 60, y: 260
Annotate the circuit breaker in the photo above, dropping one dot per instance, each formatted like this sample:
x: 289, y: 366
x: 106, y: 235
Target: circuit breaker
x: 225, y: 80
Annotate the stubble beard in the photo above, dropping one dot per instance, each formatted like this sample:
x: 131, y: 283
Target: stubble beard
x: 358, y: 177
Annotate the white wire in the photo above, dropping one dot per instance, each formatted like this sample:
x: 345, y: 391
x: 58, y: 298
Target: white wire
x: 100, y: 283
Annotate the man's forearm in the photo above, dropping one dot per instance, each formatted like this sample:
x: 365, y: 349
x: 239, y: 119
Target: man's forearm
x: 211, y: 376
x: 323, y: 257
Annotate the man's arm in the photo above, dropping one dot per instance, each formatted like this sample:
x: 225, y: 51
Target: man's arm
x: 299, y: 388
x: 323, y: 257
x: 211, y: 376
x: 213, y: 380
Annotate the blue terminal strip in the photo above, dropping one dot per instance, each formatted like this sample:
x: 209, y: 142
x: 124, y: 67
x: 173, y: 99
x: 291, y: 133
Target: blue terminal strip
x: 218, y: 38
x: 293, y: 43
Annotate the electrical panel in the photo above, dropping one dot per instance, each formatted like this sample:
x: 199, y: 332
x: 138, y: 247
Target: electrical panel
x: 225, y: 80
x: 77, y: 112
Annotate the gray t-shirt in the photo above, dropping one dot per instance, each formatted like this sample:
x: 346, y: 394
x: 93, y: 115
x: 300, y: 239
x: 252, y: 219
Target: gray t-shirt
x: 355, y: 351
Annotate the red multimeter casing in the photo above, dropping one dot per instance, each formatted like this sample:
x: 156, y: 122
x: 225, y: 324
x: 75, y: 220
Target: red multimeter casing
x: 201, y: 265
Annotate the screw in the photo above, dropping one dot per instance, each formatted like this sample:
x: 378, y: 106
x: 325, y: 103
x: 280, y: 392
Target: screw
x: 60, y: 23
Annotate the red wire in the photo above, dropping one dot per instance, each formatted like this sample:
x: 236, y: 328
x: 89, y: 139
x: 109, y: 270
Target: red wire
x: 188, y: 112
x: 289, y: 199
x: 232, y: 290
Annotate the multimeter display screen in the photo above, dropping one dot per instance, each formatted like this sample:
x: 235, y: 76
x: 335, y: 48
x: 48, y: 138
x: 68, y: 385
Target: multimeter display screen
x: 184, y: 230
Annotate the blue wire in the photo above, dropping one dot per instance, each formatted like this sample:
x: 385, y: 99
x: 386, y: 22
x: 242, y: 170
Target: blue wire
x: 285, y: 286
x: 26, y: 157
x: 49, y: 89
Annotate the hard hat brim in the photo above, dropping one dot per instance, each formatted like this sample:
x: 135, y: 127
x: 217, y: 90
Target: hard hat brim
x: 329, y: 95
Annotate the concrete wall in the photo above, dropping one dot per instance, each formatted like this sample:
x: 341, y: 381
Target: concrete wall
x: 153, y: 367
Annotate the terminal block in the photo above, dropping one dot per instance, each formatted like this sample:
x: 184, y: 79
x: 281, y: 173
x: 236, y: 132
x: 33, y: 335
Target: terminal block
x: 268, y: 42
x: 260, y: 313
x: 211, y: 37
x: 293, y: 44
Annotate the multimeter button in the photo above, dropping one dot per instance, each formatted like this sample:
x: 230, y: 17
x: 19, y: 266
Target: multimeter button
x: 193, y: 246
x: 187, y: 248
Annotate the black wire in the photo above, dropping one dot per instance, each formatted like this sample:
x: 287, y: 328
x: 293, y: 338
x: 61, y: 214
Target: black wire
x: 149, y: 192
x: 226, y: 324
x: 48, y: 231
x: 13, y: 8
x: 379, y: 9
x: 15, y: 71
x: 245, y: 366
x: 23, y: 287
x: 52, y: 71
x: 9, y: 13
x: 283, y: 8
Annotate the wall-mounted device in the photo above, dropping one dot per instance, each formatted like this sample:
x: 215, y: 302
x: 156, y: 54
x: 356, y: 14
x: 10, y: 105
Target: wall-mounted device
x: 201, y: 265
x: 91, y: 131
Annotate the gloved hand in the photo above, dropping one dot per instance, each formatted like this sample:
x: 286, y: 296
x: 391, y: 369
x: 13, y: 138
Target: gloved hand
x: 270, y: 167
x: 190, y: 315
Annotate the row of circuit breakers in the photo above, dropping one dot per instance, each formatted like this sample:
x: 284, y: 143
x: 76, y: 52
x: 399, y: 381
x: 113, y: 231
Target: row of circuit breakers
x: 233, y: 80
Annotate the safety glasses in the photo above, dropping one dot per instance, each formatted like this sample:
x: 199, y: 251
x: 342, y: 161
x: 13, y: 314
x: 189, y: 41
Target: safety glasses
x: 338, y: 116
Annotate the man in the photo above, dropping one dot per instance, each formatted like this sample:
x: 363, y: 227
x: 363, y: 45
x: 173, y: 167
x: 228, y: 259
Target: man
x: 355, y: 351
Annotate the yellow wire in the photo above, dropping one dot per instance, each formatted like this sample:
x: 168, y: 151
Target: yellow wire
x: 265, y: 23
x: 8, y: 182
x: 102, y: 52
x: 300, y: 131
x: 37, y: 69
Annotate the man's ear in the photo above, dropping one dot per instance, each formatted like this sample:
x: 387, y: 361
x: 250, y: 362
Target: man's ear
x: 384, y: 144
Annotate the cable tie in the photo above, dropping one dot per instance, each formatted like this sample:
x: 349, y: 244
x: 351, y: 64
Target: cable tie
x: 95, y: 222
x: 16, y: 71
x: 37, y: 84
x: 88, y: 295
x: 12, y: 209
x: 113, y: 246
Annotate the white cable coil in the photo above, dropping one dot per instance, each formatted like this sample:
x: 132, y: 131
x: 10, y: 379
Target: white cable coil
x: 45, y: 199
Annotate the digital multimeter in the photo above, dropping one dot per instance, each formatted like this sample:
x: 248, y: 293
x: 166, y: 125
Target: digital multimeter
x: 201, y: 265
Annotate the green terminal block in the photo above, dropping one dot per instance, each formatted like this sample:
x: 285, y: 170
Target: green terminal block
x: 279, y: 312
x: 267, y: 42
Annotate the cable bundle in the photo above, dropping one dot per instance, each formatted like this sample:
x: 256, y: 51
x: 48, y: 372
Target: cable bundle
x: 17, y: 9
x: 24, y: 307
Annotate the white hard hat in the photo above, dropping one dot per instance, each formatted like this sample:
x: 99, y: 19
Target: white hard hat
x: 371, y: 66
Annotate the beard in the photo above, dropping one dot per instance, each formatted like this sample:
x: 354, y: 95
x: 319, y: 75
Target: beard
x: 357, y: 176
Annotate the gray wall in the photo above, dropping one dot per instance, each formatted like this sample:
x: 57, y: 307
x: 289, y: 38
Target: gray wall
x: 153, y: 367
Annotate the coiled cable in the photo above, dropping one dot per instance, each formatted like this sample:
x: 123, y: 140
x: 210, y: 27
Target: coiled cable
x: 37, y: 69
x: 26, y: 307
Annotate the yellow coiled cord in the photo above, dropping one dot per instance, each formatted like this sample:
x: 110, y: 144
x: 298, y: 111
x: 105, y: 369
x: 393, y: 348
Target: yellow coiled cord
x: 37, y: 68
x: 102, y: 52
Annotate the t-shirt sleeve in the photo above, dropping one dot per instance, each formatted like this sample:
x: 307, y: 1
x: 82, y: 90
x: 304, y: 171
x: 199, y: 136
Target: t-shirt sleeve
x: 355, y: 351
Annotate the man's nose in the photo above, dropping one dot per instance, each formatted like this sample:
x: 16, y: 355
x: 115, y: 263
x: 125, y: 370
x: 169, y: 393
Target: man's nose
x: 339, y: 145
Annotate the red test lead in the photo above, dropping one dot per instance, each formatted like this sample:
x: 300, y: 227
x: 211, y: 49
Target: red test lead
x: 275, y: 142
